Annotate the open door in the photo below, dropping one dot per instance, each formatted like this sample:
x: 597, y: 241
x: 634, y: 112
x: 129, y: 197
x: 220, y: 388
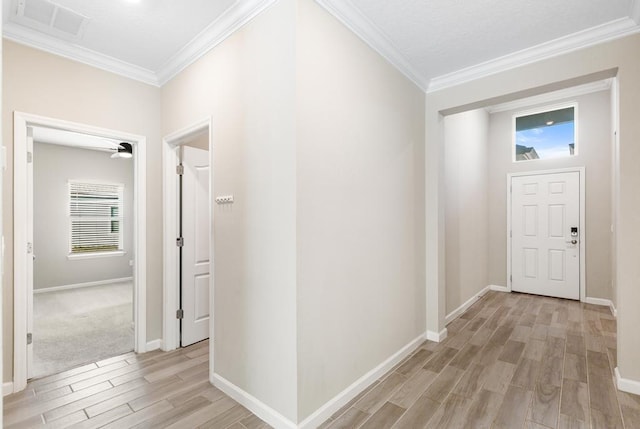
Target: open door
x: 30, y: 253
x: 195, y: 277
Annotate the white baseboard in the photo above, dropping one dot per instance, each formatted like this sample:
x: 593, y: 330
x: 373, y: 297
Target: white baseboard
x: 81, y: 285
x: 499, y: 288
x: 464, y: 307
x: 626, y: 385
x: 342, y: 398
x: 598, y: 301
x: 252, y: 403
x: 437, y: 336
x: 604, y: 303
x: 154, y: 345
x: 277, y: 420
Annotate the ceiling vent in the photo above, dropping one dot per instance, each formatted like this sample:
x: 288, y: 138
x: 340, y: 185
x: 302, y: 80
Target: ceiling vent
x: 50, y: 18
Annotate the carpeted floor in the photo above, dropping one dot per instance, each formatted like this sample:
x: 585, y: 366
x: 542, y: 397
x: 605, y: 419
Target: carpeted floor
x: 79, y: 326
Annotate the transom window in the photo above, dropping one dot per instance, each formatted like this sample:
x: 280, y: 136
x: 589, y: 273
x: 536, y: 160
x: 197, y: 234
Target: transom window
x: 96, y: 216
x: 545, y: 134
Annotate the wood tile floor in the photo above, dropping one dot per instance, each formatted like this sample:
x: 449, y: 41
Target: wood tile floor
x: 152, y: 390
x: 511, y: 361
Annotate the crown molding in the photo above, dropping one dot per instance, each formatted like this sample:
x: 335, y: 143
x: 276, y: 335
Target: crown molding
x: 573, y: 42
x: 19, y: 34
x: 244, y: 11
x: 371, y: 34
x: 229, y: 22
x: 550, y: 97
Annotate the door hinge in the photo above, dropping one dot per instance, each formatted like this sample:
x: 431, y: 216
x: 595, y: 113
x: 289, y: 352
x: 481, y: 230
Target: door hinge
x: 511, y: 279
x: 180, y: 241
x: 29, y: 247
x: 29, y: 338
x: 510, y: 233
x: 29, y: 156
x: 179, y: 169
x: 180, y: 314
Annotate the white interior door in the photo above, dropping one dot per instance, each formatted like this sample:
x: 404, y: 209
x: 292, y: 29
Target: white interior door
x: 30, y: 251
x: 545, y: 227
x: 195, y: 288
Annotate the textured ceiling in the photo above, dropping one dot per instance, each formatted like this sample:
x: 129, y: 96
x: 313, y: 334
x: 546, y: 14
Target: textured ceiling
x: 441, y: 36
x: 146, y: 34
x: 428, y: 40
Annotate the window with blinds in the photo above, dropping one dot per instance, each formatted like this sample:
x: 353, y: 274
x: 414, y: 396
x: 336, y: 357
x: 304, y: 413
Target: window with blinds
x: 96, y: 216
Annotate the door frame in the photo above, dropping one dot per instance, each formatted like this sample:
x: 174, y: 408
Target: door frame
x: 21, y: 179
x: 170, y: 157
x: 582, y: 177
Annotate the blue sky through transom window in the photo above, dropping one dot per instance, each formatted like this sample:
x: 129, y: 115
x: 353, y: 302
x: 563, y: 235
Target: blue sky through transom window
x: 545, y: 135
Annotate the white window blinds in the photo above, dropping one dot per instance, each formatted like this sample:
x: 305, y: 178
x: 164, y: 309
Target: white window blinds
x: 96, y: 215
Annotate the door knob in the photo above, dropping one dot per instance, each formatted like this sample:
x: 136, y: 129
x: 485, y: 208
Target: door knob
x: 572, y: 242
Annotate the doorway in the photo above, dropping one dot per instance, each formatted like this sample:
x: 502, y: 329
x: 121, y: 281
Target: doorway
x: 481, y: 156
x: 82, y: 251
x: 188, y: 238
x: 546, y: 222
x: 24, y: 125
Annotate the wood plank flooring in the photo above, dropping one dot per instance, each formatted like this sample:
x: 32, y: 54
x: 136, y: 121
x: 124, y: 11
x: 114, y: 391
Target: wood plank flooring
x: 510, y: 361
x: 154, y: 389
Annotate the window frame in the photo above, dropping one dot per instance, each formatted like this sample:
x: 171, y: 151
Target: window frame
x: 545, y: 109
x: 121, y: 218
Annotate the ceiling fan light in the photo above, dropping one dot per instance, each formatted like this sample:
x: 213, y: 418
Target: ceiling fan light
x: 125, y: 150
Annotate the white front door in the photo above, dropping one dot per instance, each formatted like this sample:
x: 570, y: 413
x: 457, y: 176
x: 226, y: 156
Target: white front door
x: 195, y: 288
x: 545, y: 229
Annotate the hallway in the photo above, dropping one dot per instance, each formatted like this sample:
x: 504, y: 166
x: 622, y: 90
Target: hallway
x: 511, y: 361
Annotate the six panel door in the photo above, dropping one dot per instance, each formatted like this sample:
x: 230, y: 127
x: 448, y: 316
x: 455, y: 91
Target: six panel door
x: 545, y: 229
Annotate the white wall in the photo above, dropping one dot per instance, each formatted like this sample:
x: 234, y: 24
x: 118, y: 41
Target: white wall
x: 43, y: 84
x: 247, y: 86
x: 467, y: 208
x: 360, y: 204
x: 594, y: 153
x: 53, y: 167
x: 319, y: 262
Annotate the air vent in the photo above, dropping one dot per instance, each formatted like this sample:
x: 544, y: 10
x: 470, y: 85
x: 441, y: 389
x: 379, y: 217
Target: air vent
x: 68, y: 21
x: 37, y: 10
x: 51, y: 18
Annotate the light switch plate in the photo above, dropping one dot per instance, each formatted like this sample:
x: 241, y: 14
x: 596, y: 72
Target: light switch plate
x: 226, y: 199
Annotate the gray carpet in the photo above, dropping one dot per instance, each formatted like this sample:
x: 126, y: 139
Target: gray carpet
x: 64, y: 338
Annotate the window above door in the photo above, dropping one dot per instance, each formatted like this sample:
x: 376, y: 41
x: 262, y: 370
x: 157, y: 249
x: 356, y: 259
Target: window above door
x: 545, y: 134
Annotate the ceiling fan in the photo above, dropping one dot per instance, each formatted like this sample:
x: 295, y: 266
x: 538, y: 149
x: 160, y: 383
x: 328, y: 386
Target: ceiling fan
x: 124, y: 150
